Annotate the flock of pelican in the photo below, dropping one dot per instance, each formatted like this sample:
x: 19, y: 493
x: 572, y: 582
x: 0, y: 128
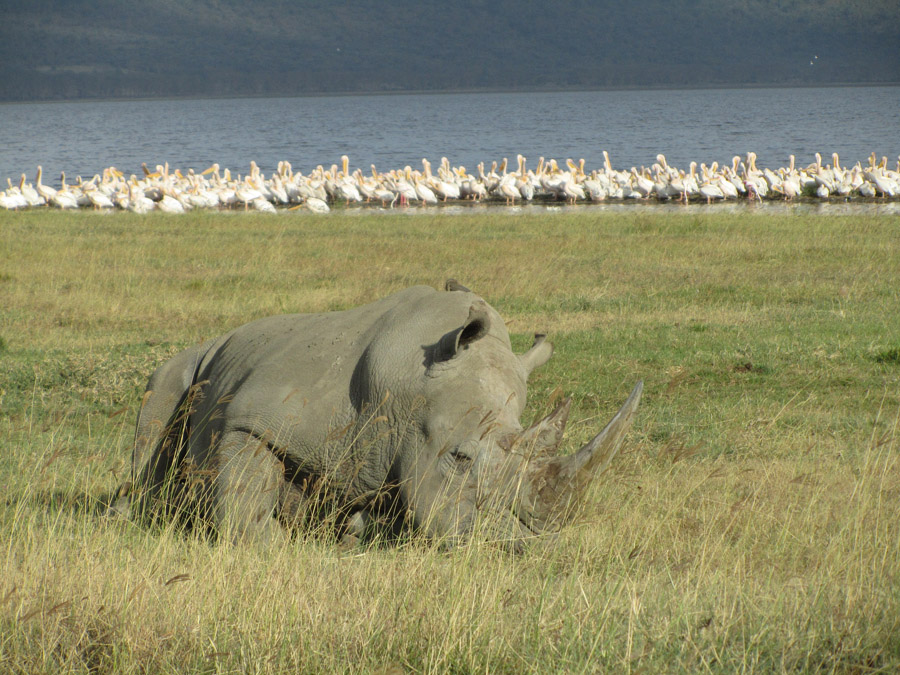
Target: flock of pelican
x: 178, y: 192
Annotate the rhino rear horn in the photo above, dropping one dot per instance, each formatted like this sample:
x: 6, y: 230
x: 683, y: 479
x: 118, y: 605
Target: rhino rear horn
x: 552, y: 486
x: 544, y: 436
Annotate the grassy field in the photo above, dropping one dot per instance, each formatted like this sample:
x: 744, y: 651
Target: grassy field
x: 751, y: 524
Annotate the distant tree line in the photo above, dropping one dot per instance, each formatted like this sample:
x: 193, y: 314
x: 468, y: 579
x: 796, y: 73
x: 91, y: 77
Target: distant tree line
x: 70, y: 49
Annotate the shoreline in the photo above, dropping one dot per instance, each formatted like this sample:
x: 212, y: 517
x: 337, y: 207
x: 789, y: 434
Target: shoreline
x: 446, y: 92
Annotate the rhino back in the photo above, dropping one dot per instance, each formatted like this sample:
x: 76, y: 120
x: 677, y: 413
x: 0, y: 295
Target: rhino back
x: 297, y: 377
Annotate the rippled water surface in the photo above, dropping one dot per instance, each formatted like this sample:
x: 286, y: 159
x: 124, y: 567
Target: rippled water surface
x: 81, y: 138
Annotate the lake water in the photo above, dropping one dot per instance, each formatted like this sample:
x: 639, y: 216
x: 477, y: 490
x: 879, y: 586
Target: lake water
x: 82, y: 138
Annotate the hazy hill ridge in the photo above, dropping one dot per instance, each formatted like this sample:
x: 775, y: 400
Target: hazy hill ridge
x: 52, y: 49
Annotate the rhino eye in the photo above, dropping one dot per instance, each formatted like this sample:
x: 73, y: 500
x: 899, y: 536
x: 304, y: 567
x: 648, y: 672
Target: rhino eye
x: 463, y: 460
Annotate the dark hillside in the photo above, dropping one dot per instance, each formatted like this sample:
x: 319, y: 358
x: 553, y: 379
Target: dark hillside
x: 51, y: 49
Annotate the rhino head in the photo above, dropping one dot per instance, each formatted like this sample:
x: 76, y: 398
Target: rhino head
x: 469, y: 462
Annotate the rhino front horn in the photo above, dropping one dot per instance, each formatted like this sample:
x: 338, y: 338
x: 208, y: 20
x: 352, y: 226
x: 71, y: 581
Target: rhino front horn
x: 551, y: 487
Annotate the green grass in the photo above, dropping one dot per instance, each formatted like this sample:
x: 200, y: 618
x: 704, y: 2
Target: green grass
x: 751, y: 523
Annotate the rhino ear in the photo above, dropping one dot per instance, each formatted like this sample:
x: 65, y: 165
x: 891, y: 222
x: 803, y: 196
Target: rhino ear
x: 538, y: 355
x: 454, y: 285
x: 477, y: 325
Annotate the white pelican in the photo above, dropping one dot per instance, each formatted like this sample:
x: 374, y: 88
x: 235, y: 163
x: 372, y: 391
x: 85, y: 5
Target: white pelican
x: 572, y: 190
x: 64, y: 198
x: 424, y: 192
x: 137, y: 201
x: 247, y: 191
x: 30, y: 194
x: 721, y: 181
x: 733, y: 175
x: 596, y: 190
x: 641, y: 183
x: 347, y: 190
x: 262, y: 205
x: 259, y: 181
x: 169, y: 204
x: 823, y: 176
x: 754, y: 181
x: 45, y: 191
x: 691, y: 186
x: 12, y: 199
x: 507, y: 188
x: 867, y: 190
x: 469, y: 186
x: 661, y: 185
x: 676, y: 186
x: 405, y: 187
x: 883, y: 185
x: 79, y: 191
x: 317, y: 205
x: 710, y: 190
x: 790, y: 185
x: 444, y: 185
x: 491, y: 180
x: 96, y: 197
x: 12, y: 202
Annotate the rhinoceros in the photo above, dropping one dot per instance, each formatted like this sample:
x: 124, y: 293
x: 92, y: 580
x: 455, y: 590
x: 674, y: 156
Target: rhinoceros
x: 413, y: 400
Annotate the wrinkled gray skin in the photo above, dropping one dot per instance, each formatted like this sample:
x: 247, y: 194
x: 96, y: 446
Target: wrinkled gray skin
x: 420, y: 391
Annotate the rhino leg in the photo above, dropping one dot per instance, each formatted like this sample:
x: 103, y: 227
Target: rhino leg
x: 355, y: 528
x: 162, y: 429
x: 302, y: 504
x: 248, y: 487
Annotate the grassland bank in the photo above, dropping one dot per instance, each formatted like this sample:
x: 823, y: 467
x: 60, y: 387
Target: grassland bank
x: 751, y: 524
